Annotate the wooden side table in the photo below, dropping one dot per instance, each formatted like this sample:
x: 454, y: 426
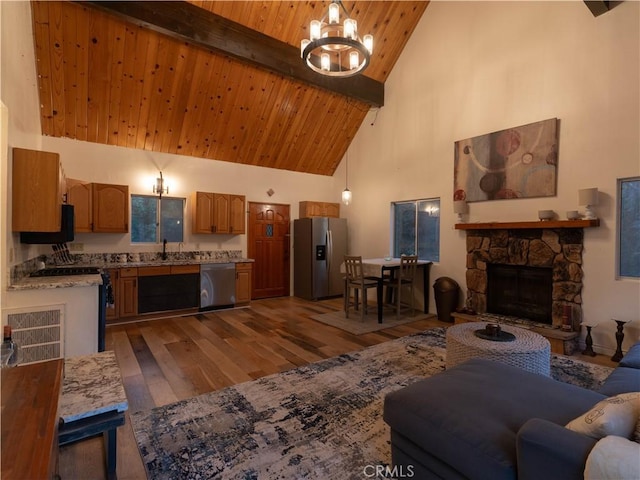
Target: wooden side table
x: 93, y: 401
x: 30, y: 403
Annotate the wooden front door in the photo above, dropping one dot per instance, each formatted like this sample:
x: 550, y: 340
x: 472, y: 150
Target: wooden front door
x: 269, y: 245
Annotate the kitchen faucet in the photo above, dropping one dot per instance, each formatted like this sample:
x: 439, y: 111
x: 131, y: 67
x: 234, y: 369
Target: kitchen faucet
x: 164, y: 249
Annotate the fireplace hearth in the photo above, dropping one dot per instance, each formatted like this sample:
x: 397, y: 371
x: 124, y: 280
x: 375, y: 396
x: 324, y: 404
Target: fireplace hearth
x: 556, y: 251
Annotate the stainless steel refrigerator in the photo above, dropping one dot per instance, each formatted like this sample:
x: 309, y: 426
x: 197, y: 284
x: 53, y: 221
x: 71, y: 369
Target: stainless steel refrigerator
x: 319, y: 247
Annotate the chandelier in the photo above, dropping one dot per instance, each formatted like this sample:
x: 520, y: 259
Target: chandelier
x: 335, y: 49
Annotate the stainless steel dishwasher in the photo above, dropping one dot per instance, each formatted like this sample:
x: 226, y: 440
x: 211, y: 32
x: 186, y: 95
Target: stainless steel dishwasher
x: 217, y: 285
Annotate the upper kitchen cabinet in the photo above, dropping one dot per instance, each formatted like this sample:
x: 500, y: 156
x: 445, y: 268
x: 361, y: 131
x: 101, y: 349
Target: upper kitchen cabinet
x: 79, y: 195
x: 38, y: 191
x: 218, y: 213
x: 319, y: 209
x: 110, y: 207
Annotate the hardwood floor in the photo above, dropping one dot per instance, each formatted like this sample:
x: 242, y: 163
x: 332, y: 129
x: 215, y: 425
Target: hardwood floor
x: 166, y: 360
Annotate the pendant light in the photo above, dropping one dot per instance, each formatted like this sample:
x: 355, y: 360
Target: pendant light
x: 334, y: 48
x: 346, y: 193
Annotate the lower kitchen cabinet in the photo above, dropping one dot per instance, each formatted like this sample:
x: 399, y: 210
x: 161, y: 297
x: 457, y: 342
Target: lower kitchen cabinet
x: 128, y: 292
x: 243, y: 283
x: 112, y: 309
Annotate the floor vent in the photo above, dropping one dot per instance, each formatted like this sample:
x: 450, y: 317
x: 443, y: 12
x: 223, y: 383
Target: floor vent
x: 38, y: 332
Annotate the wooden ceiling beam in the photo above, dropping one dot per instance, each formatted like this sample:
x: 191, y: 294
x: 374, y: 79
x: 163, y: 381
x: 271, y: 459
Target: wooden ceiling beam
x: 186, y: 22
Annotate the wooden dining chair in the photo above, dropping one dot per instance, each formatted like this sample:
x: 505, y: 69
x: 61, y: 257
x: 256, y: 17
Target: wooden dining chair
x: 404, y: 276
x: 356, y: 281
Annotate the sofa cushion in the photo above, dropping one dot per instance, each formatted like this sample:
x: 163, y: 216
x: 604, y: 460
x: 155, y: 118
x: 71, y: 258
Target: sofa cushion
x: 615, y: 415
x: 613, y: 458
x: 632, y: 358
x: 469, y: 416
x: 621, y: 380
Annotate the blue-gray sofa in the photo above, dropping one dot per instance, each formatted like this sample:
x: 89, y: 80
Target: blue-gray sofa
x: 487, y: 420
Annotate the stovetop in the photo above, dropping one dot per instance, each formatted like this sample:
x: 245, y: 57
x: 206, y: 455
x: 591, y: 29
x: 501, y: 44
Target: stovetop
x: 62, y: 271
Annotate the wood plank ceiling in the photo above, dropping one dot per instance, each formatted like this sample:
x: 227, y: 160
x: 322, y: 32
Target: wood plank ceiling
x: 106, y: 80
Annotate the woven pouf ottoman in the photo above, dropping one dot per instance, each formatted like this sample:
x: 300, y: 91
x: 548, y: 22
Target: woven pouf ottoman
x: 528, y: 350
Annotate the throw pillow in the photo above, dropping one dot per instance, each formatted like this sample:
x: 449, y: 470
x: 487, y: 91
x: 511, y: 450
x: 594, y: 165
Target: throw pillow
x: 613, y: 458
x: 616, y: 415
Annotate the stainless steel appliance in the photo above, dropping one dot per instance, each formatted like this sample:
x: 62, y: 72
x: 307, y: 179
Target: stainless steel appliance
x: 217, y: 285
x: 319, y: 247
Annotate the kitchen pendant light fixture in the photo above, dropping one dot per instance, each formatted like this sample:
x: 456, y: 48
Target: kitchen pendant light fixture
x: 334, y: 48
x: 346, y: 193
x: 159, y: 187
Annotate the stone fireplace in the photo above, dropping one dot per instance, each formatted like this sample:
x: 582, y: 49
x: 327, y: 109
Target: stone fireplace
x: 558, y: 250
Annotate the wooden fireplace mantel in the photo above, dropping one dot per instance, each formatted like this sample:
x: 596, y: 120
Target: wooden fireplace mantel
x: 522, y: 225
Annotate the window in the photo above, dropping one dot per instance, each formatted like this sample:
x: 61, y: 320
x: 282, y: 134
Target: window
x: 153, y: 219
x: 629, y: 227
x: 416, y: 229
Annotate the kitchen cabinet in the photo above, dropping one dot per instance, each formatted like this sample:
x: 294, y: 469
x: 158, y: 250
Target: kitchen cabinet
x: 38, y: 191
x: 319, y: 209
x: 128, y: 292
x: 99, y: 207
x: 110, y: 207
x: 112, y: 310
x: 243, y: 283
x: 218, y: 213
x: 79, y: 195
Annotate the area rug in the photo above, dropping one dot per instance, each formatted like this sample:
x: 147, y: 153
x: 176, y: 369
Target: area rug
x: 320, y: 421
x: 357, y: 325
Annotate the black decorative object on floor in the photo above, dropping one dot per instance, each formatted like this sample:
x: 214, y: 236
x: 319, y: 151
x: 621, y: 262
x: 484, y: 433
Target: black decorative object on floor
x: 619, y: 337
x: 588, y: 341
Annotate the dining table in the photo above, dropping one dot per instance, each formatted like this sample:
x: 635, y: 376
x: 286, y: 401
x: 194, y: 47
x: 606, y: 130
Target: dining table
x: 377, y: 268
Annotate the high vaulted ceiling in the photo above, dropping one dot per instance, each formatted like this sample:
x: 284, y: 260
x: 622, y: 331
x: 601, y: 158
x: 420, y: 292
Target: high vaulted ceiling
x: 109, y: 78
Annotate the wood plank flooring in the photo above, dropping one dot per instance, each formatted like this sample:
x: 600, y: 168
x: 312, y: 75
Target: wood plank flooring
x: 166, y: 360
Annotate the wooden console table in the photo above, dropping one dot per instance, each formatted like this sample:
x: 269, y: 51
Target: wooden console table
x: 30, y: 396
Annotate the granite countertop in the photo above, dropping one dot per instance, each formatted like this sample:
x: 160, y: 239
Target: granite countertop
x: 92, y: 385
x: 35, y: 283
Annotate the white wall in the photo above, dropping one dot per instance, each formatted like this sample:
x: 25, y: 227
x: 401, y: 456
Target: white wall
x: 472, y: 68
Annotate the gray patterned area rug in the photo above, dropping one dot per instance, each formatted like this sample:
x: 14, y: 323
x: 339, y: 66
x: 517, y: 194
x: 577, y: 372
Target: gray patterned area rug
x: 320, y: 421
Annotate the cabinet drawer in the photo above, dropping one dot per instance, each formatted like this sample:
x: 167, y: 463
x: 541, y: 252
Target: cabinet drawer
x: 243, y: 266
x: 152, y: 271
x: 129, y: 272
x: 182, y: 269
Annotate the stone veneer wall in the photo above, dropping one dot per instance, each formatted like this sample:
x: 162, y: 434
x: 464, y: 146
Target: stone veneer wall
x: 560, y: 249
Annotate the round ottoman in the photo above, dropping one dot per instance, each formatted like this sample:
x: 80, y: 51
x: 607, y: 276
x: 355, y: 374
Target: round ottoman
x: 528, y: 350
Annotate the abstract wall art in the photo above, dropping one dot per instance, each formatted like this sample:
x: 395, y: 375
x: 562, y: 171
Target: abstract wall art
x: 519, y: 162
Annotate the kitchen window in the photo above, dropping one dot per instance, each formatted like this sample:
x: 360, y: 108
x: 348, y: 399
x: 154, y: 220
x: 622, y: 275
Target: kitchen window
x: 154, y: 219
x: 416, y: 228
x: 629, y: 227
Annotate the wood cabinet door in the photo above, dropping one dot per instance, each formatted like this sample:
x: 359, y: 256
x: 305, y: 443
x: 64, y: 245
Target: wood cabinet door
x: 110, y: 208
x: 243, y: 283
x: 202, y: 212
x: 331, y: 210
x: 221, y: 222
x: 237, y: 214
x: 128, y: 293
x: 36, y: 194
x: 112, y: 311
x: 79, y: 195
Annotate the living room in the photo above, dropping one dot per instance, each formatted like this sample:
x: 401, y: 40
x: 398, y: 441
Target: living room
x: 469, y: 68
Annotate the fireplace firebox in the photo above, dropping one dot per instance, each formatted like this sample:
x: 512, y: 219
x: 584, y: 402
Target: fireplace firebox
x: 520, y: 291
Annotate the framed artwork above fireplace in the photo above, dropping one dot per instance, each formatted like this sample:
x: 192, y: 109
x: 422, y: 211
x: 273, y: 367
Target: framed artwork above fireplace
x: 519, y: 162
